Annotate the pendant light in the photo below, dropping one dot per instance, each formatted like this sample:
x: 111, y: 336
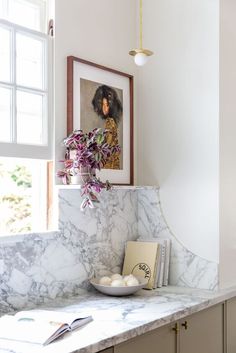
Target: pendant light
x: 140, y: 55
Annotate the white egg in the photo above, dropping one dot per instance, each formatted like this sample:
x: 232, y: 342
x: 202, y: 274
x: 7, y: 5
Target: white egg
x: 127, y: 277
x: 118, y: 283
x: 116, y: 276
x: 106, y: 281
x: 132, y: 282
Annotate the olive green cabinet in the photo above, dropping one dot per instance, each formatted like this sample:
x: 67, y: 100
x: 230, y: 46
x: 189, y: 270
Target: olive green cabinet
x: 203, y: 331
x: 161, y: 340
x: 200, y: 332
x: 230, y: 321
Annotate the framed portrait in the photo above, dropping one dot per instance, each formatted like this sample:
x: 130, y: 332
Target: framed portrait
x: 100, y: 97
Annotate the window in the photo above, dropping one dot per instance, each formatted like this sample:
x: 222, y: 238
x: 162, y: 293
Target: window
x: 23, y: 197
x: 25, y: 115
x: 25, y: 111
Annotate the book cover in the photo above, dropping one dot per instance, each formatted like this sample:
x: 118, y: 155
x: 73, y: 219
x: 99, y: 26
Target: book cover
x: 163, y: 262
x: 39, y: 326
x: 140, y: 260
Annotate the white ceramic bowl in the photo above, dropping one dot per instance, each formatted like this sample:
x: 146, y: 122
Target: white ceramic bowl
x: 119, y: 291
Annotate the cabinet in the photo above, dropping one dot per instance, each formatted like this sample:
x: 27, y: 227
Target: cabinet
x: 201, y: 332
x: 108, y: 350
x: 163, y: 340
x: 231, y: 325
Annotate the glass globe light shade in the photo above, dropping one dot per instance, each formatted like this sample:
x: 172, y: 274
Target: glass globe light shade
x: 140, y: 59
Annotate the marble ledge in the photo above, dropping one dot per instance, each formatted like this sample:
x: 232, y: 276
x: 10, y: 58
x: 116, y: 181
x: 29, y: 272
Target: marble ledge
x: 118, y: 319
x: 114, y: 187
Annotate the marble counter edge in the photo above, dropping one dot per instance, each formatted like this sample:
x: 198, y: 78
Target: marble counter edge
x: 160, y: 322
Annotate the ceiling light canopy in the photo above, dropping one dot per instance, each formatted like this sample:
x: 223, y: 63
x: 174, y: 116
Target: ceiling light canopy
x: 140, y: 55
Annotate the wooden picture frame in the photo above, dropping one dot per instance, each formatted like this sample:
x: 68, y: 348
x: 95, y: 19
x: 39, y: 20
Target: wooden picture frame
x: 85, y: 82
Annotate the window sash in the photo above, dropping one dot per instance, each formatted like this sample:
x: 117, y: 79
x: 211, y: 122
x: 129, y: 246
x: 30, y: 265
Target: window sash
x: 43, y: 9
x: 14, y: 149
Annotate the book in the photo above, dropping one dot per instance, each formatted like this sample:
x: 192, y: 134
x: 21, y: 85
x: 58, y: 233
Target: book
x: 141, y: 260
x: 162, y: 272
x: 160, y: 277
x: 40, y: 326
x: 159, y: 262
x: 167, y: 262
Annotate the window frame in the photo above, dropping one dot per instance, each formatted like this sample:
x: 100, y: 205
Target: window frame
x: 20, y: 150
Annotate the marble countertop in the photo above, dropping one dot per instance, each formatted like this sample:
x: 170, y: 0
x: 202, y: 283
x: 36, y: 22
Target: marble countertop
x: 117, y: 319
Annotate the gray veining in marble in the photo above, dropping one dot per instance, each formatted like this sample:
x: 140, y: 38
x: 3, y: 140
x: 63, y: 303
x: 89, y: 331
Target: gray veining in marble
x: 101, y: 233
x: 186, y: 268
x: 34, y: 269
x: 116, y: 320
x: 37, y: 268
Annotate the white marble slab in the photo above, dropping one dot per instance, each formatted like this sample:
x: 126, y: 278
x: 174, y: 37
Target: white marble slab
x: 98, y: 236
x: 119, y: 319
x: 37, y: 268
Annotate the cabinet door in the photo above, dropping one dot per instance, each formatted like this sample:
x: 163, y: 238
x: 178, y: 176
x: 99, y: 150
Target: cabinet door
x: 231, y: 325
x: 203, y: 331
x: 161, y: 340
x: 108, y: 350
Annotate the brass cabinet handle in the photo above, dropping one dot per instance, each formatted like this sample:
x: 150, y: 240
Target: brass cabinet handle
x: 185, y: 325
x: 176, y: 328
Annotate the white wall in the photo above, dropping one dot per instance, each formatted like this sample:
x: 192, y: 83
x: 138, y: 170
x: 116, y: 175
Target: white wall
x: 99, y: 31
x: 178, y: 117
x: 177, y: 144
x: 227, y: 143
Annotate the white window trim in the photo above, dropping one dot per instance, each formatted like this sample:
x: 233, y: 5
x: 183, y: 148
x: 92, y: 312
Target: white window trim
x: 13, y: 149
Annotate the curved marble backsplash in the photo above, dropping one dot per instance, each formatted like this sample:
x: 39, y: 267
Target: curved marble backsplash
x: 37, y: 268
x: 186, y: 268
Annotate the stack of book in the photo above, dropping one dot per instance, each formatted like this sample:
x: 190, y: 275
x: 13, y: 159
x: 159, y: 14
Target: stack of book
x: 149, y: 259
